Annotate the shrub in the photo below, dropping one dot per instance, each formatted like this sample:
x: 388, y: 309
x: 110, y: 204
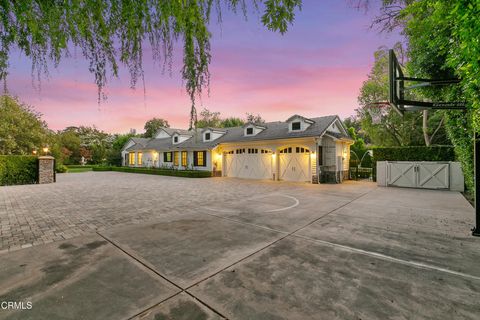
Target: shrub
x: 18, y: 170
x: 102, y: 168
x: 61, y: 168
x: 417, y: 153
x: 166, y: 172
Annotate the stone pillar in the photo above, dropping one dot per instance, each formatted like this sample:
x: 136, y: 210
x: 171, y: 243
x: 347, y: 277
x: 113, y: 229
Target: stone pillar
x: 46, y: 169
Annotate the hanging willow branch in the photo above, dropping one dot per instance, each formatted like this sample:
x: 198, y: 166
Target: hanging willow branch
x: 110, y: 33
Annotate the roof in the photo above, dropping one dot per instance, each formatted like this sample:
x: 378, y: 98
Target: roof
x: 273, y: 131
x: 171, y: 131
x: 299, y: 116
x: 338, y: 135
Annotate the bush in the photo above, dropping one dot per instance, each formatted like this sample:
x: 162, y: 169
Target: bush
x: 102, y: 168
x: 61, y: 168
x: 166, y: 172
x: 18, y: 170
x: 420, y: 153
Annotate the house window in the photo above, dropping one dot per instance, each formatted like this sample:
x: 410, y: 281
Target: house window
x: 296, y: 126
x: 249, y: 131
x: 175, y: 158
x: 207, y: 136
x: 167, y: 157
x: 184, y: 158
x: 302, y: 150
x: 252, y: 150
x: 140, y: 158
x: 131, y: 159
x: 240, y: 151
x: 286, y: 150
x: 199, y: 158
x: 175, y: 139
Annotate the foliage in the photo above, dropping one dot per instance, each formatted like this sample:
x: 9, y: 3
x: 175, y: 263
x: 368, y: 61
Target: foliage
x: 16, y: 169
x: 21, y: 128
x: 209, y: 119
x: 359, y: 155
x: 166, y: 172
x: 255, y: 118
x: 60, y: 168
x: 232, y: 122
x: 381, y: 124
x: 113, y: 32
x: 414, y: 153
x: 151, y: 126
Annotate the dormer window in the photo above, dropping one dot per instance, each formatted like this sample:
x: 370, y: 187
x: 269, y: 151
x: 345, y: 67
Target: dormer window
x: 249, y: 131
x: 296, y: 126
x: 175, y: 139
x: 207, y: 136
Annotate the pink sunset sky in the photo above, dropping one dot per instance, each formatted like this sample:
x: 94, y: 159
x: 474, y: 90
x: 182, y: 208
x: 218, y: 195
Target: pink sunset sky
x: 315, y: 69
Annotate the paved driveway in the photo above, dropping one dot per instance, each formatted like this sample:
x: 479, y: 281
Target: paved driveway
x: 110, y: 245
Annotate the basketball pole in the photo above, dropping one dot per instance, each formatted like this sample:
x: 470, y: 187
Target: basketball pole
x: 476, y: 152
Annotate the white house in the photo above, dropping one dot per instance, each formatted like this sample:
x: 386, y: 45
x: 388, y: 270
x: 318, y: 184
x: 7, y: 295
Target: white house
x: 299, y: 149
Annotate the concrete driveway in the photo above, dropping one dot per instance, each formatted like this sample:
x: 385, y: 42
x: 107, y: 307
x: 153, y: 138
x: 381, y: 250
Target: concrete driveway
x: 108, y: 245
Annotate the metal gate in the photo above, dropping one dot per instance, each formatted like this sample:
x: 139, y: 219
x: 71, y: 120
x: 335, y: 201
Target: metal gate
x: 426, y: 175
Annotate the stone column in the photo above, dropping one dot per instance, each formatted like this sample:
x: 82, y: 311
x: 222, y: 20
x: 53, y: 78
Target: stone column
x: 46, y: 169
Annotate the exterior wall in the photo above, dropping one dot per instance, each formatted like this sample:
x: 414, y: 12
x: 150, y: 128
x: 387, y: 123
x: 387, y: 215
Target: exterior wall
x: 162, y: 134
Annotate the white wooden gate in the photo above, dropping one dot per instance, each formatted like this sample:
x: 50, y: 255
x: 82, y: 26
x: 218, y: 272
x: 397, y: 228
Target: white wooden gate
x: 426, y: 175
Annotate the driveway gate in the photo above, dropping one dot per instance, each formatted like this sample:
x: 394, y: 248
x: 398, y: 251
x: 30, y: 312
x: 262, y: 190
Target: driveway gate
x: 426, y: 175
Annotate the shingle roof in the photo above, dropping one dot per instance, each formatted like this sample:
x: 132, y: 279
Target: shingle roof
x: 272, y: 131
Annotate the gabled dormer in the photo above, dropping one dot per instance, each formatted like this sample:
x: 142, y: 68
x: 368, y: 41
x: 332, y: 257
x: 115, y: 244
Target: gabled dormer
x: 298, y: 123
x: 211, y: 134
x: 161, y: 134
x: 179, y: 137
x: 337, y: 127
x: 251, y: 129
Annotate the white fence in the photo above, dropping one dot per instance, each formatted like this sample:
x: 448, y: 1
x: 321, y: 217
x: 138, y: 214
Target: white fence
x: 424, y: 175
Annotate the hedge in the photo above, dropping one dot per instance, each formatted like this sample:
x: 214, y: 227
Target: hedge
x: 18, y: 170
x: 162, y: 172
x: 420, y: 153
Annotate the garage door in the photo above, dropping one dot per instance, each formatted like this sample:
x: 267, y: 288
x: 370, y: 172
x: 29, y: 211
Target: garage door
x: 294, y: 164
x: 249, y: 163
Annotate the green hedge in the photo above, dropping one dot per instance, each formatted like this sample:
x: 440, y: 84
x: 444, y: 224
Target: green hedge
x: 102, y: 168
x: 420, y: 153
x: 18, y: 170
x: 163, y: 172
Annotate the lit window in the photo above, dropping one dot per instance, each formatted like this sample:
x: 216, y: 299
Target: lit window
x: 175, y: 158
x: 199, y: 158
x: 207, y: 136
x: 249, y: 131
x: 184, y: 158
x: 140, y: 158
x: 167, y: 157
x: 131, y: 159
x: 295, y: 126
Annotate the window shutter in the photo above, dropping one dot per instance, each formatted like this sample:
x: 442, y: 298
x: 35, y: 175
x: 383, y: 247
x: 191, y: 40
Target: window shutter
x: 195, y: 158
x: 164, y: 157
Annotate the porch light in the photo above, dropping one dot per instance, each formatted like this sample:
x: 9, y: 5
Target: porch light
x: 45, y: 150
x: 34, y: 152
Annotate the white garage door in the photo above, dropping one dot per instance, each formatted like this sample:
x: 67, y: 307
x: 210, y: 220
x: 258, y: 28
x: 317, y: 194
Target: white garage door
x: 294, y: 164
x: 249, y: 163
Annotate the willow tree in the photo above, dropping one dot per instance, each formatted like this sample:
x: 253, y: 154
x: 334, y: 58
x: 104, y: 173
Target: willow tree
x: 110, y: 33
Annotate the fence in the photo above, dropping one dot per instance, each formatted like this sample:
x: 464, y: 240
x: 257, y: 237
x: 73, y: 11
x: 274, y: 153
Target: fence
x: 361, y: 173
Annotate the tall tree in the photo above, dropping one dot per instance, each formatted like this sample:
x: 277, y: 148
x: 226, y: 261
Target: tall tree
x: 209, y: 119
x: 22, y: 129
x: 232, y: 122
x: 255, y: 118
x: 152, y: 126
x: 110, y: 33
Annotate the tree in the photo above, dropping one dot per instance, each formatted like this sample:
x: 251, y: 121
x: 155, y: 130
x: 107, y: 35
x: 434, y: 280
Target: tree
x: 152, y: 126
x: 21, y: 128
x: 209, y: 119
x: 110, y: 33
x: 231, y: 122
x: 252, y: 118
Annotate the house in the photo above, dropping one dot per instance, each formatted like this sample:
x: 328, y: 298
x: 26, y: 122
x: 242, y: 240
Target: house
x: 298, y: 149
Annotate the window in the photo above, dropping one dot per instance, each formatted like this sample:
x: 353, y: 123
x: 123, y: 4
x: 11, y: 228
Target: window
x: 167, y: 157
x: 199, y: 158
x: 131, y: 159
x: 249, y: 131
x: 266, y: 151
x: 175, y: 139
x: 302, y: 150
x: 240, y: 151
x: 140, y: 158
x: 230, y: 152
x: 184, y: 158
x: 252, y: 150
x: 207, y: 136
x: 296, y: 126
x: 286, y: 150
x: 175, y: 158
